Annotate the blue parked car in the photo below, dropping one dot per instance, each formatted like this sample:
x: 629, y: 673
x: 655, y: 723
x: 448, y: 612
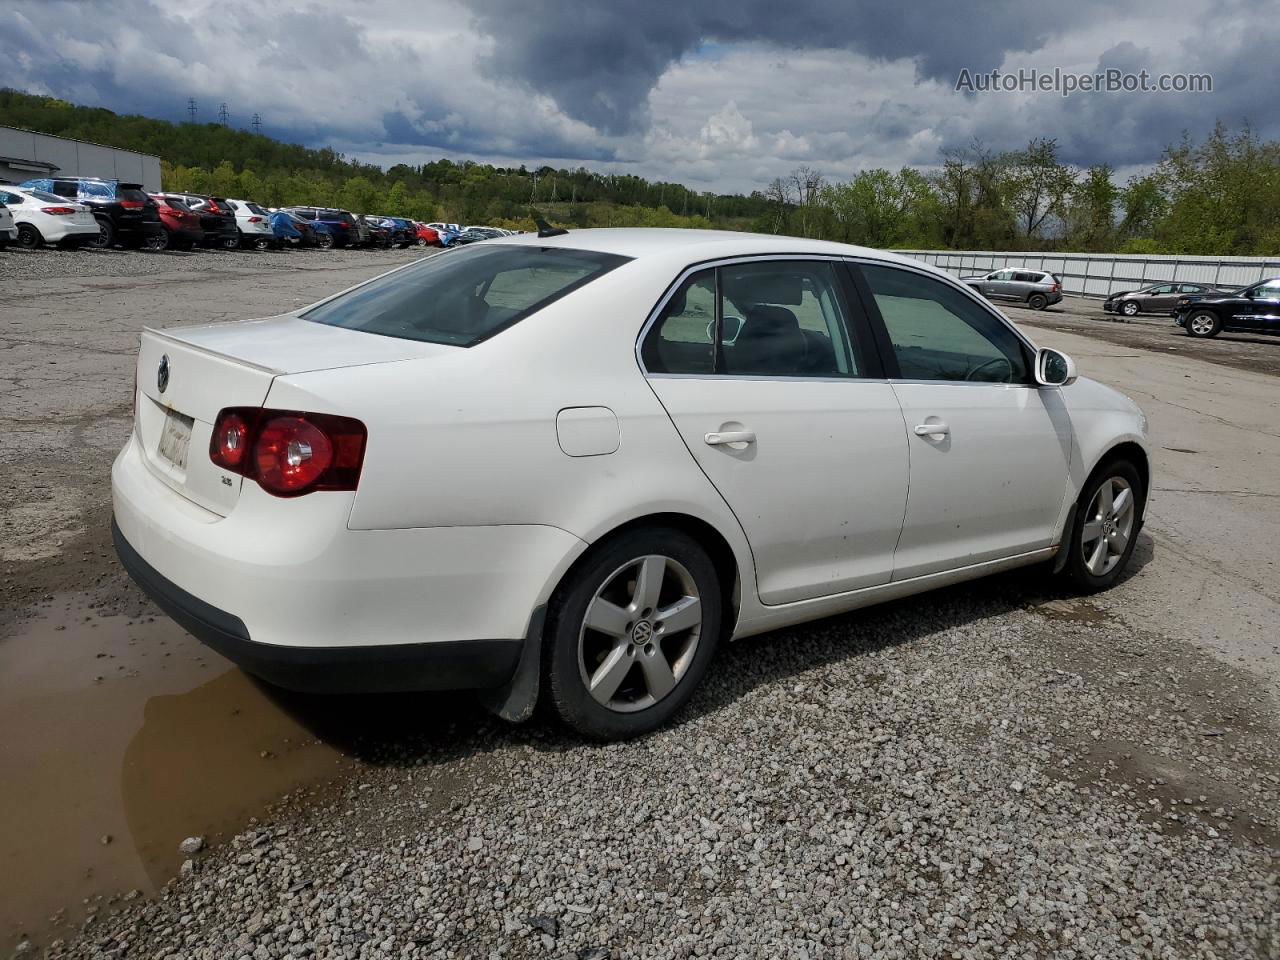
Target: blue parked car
x: 404, y: 232
x: 291, y: 230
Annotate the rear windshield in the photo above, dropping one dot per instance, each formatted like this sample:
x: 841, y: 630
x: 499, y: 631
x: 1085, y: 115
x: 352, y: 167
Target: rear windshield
x: 465, y: 297
x: 132, y: 195
x: 254, y: 208
x: 46, y: 197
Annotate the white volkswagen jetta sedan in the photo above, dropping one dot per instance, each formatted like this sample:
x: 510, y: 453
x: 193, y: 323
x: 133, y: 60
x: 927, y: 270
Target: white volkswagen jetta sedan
x: 575, y: 463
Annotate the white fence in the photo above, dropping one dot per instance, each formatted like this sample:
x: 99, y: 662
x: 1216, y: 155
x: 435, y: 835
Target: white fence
x: 1101, y: 274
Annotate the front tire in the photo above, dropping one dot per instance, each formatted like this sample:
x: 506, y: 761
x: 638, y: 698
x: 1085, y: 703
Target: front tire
x: 631, y: 632
x: 29, y: 237
x: 325, y: 241
x: 1203, y: 324
x: 1105, y: 529
x: 1130, y: 308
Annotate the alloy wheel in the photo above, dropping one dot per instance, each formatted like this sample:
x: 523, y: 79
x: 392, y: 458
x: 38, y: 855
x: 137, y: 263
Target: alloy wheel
x: 1130, y: 308
x: 640, y: 633
x: 1202, y: 324
x: 1108, y: 526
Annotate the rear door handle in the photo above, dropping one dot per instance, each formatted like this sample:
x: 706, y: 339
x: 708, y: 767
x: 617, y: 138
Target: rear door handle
x: 932, y: 430
x: 731, y: 436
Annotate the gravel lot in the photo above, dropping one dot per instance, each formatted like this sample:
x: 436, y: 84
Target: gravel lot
x: 995, y: 770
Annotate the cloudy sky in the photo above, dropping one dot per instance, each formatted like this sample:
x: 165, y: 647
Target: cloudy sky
x: 718, y: 94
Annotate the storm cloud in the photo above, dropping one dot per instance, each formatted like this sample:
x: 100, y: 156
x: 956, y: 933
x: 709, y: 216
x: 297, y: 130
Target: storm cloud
x: 720, y: 94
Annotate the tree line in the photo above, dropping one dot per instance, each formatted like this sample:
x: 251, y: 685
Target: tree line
x: 1218, y: 196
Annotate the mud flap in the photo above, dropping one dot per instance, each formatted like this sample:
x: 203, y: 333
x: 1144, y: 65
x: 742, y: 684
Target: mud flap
x: 516, y: 700
x: 1064, y: 544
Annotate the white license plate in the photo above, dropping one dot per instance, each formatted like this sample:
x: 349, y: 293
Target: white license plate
x: 83, y: 218
x: 176, y: 438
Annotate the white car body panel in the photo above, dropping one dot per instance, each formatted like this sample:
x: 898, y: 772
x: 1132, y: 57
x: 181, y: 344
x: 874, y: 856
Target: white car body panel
x: 53, y: 227
x: 250, y: 223
x: 471, y: 506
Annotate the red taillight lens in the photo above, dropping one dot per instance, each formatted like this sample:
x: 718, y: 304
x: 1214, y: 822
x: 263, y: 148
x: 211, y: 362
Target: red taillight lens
x: 255, y: 219
x: 1057, y: 287
x: 59, y: 211
x: 287, y: 452
x: 230, y: 440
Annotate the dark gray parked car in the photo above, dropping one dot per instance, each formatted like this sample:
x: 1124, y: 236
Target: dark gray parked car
x: 1036, y: 288
x: 1161, y: 298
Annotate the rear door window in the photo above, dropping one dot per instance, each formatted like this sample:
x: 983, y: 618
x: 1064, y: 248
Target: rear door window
x: 465, y: 297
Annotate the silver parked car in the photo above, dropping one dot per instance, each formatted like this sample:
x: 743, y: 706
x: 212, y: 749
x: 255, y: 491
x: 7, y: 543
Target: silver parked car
x: 1036, y: 288
x: 1161, y: 298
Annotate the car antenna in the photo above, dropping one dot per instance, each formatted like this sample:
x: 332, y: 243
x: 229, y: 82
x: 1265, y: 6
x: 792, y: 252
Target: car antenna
x: 545, y: 229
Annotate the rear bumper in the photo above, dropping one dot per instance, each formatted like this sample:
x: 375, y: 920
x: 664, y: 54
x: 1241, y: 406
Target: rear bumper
x: 286, y: 590
x: 455, y: 665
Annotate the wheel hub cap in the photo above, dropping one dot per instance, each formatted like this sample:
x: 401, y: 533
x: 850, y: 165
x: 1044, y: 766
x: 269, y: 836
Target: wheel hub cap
x: 642, y: 633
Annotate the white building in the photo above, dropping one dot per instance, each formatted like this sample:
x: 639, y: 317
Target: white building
x: 25, y: 155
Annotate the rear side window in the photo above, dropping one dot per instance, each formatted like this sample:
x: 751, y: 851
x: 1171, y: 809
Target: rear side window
x: 99, y: 191
x: 465, y: 297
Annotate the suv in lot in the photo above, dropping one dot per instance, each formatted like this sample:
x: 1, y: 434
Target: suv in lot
x: 1036, y: 288
x: 217, y: 219
x: 124, y: 212
x: 1161, y: 298
x: 344, y: 228
x: 1255, y: 309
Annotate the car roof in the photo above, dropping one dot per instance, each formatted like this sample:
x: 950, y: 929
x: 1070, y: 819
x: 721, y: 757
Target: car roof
x: 697, y: 245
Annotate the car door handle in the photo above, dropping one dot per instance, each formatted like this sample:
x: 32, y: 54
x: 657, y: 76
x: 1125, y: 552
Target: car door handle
x: 932, y: 430
x: 730, y: 436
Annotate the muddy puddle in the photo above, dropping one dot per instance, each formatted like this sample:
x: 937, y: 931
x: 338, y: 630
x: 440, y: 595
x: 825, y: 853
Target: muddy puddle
x: 118, y: 738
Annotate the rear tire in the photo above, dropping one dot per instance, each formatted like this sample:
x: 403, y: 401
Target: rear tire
x: 606, y: 624
x: 1037, y: 301
x: 29, y: 237
x: 1105, y: 528
x: 106, y: 235
x: 1203, y: 324
x: 261, y: 243
x: 158, y: 241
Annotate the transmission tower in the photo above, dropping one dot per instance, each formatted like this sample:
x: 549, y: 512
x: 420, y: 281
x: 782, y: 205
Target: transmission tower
x: 256, y: 123
x: 191, y: 108
x: 222, y: 114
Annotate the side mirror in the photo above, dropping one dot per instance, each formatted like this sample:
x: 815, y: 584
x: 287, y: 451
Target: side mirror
x: 1054, y: 369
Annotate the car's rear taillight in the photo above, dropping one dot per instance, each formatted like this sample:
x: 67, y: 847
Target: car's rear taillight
x: 288, y: 452
x: 58, y: 211
x: 1055, y: 288
x: 255, y: 219
x: 132, y: 204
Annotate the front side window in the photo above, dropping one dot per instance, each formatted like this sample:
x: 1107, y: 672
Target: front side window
x: 465, y: 297
x: 1267, y: 291
x: 777, y: 318
x: 939, y: 333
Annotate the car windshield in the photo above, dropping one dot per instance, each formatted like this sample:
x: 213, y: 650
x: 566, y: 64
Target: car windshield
x: 465, y: 297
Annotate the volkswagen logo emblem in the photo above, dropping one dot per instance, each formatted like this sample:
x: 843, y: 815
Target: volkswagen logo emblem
x: 162, y: 373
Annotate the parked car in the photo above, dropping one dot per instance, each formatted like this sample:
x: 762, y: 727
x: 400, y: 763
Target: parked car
x: 8, y: 228
x: 380, y: 231
x: 447, y: 232
x: 124, y: 212
x: 477, y: 234
x: 1036, y: 288
x: 253, y: 224
x: 292, y: 230
x: 217, y: 219
x: 1255, y: 309
x: 427, y: 236
x: 182, y: 229
x: 40, y: 217
x: 344, y: 229
x: 1159, y: 298
x: 403, y: 232
x: 387, y: 519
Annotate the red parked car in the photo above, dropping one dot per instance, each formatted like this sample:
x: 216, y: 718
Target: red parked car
x: 428, y: 236
x: 182, y: 229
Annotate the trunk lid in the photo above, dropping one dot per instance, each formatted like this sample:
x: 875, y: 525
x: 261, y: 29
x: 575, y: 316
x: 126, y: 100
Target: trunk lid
x: 206, y: 368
